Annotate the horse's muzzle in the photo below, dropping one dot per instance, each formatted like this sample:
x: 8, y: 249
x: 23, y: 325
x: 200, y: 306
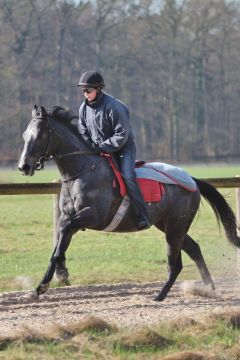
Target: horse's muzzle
x: 25, y: 169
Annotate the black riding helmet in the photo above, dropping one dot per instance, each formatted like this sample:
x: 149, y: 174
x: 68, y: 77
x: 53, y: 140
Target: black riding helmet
x: 91, y: 79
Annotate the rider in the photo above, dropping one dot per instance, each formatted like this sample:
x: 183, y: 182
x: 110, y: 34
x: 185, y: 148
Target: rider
x: 105, y: 126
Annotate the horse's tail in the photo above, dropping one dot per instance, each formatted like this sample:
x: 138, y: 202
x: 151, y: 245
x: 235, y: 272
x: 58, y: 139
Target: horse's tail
x: 221, y: 209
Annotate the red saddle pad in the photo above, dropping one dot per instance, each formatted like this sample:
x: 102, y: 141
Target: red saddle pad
x: 151, y: 190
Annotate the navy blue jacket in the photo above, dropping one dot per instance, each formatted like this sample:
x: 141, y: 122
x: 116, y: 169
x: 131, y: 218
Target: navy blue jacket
x: 105, y: 124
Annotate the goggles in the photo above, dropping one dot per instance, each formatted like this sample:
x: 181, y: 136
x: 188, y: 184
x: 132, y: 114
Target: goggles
x: 88, y: 90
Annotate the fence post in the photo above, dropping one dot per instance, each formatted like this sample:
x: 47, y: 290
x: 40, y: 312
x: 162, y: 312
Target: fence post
x: 238, y: 221
x: 56, y: 215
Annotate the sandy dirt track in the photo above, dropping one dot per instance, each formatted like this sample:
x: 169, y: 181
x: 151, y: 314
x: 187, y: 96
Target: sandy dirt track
x: 121, y: 304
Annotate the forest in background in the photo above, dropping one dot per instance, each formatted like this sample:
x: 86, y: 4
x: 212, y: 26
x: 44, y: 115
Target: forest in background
x: 174, y: 63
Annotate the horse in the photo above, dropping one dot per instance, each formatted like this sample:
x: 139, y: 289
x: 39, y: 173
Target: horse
x: 89, y: 201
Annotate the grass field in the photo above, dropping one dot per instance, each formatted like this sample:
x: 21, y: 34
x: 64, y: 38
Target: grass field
x: 94, y: 257
x: 212, y: 338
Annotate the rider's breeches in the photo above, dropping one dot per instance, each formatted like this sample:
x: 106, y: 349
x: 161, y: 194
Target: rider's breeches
x: 126, y: 160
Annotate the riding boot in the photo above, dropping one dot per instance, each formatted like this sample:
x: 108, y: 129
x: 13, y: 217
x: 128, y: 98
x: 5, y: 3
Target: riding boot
x: 126, y: 160
x: 138, y: 203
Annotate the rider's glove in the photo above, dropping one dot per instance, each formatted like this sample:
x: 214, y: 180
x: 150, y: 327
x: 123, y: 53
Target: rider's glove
x: 96, y: 149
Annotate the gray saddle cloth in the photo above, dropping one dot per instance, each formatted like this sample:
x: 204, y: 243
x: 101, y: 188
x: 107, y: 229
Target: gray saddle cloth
x: 166, y: 174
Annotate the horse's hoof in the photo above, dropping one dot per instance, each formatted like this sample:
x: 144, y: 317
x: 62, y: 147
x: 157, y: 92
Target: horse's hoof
x: 64, y: 283
x: 42, y: 288
x: 61, y: 276
x: 159, y: 298
x: 30, y: 296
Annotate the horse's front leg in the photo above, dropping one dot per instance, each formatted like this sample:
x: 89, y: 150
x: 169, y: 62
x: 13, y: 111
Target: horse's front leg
x: 61, y: 273
x: 65, y: 232
x: 86, y: 217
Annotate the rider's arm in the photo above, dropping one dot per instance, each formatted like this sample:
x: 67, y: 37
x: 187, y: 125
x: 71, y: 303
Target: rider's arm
x: 119, y: 119
x: 82, y: 128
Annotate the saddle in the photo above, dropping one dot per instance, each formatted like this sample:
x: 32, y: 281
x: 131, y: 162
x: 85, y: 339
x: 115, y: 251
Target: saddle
x: 151, y: 190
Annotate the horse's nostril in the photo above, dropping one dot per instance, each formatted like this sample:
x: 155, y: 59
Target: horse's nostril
x: 24, y: 167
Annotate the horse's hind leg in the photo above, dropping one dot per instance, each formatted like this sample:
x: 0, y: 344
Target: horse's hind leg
x: 174, y: 266
x: 194, y: 252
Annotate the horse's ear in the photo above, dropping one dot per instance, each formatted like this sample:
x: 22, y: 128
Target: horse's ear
x: 34, y: 111
x: 43, y: 111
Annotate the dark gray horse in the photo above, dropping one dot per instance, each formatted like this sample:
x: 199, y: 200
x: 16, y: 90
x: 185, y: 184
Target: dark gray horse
x: 88, y: 200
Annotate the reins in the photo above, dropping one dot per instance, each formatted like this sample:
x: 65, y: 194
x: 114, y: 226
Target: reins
x: 80, y: 152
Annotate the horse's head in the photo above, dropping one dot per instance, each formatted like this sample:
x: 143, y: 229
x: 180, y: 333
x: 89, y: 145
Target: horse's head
x: 36, y: 138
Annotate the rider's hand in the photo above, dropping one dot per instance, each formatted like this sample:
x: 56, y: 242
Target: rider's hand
x: 105, y: 154
x: 96, y: 149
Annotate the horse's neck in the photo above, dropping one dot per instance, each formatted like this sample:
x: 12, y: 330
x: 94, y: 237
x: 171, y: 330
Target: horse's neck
x: 93, y: 169
x: 65, y: 139
x: 64, y: 146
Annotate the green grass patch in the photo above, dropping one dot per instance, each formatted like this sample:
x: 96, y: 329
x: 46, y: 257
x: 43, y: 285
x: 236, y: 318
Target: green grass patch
x: 12, y: 175
x: 93, y: 338
x: 93, y: 257
x: 213, y: 171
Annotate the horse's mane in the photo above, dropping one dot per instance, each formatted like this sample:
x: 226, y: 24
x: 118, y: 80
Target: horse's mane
x: 70, y: 120
x: 67, y: 118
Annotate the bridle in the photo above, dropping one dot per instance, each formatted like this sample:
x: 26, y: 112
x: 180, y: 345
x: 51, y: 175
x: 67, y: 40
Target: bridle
x: 40, y: 163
